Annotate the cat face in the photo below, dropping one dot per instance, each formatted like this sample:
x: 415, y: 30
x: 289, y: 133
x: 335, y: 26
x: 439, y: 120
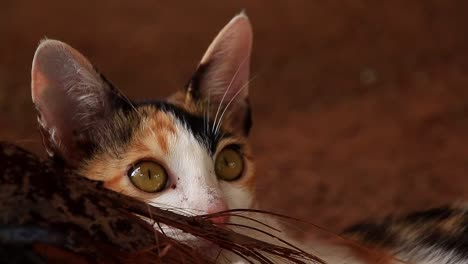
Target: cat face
x: 187, y: 153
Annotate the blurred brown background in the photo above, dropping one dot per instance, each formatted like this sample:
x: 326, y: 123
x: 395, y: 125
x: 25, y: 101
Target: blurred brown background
x: 360, y: 107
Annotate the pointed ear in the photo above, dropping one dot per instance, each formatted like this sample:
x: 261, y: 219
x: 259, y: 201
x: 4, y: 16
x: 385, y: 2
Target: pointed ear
x: 71, y: 98
x: 222, y: 78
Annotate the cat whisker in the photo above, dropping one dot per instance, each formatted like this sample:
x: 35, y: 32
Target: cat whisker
x: 121, y: 94
x: 230, y: 102
x: 208, y: 113
x: 227, y: 90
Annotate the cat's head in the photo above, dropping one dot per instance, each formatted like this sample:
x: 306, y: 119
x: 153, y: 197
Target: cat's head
x: 188, y: 152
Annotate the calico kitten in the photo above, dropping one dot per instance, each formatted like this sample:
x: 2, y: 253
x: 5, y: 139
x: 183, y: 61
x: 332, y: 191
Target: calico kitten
x: 190, y: 151
x: 187, y: 153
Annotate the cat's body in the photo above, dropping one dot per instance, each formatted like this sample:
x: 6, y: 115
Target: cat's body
x: 189, y: 153
x: 438, y: 235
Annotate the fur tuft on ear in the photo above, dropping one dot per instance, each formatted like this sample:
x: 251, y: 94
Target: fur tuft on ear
x: 71, y: 99
x: 222, y: 77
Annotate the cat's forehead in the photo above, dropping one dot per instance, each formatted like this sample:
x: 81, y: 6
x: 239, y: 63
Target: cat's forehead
x: 165, y: 119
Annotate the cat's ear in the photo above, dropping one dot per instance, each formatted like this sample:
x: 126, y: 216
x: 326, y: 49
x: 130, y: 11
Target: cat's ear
x: 72, y: 99
x: 222, y: 77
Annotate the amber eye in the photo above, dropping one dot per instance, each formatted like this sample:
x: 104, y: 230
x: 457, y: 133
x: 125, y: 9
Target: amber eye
x: 148, y: 176
x: 229, y: 164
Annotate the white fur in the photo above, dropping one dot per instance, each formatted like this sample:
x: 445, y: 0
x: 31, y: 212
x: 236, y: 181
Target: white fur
x: 432, y: 255
x: 191, y: 169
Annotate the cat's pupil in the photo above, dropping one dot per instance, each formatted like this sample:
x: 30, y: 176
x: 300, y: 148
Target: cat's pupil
x: 229, y: 164
x: 148, y: 176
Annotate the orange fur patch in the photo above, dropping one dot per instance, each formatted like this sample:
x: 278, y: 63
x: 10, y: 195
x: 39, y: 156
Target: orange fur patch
x: 162, y: 140
x: 161, y: 126
x: 184, y: 101
x: 248, y: 180
x: 112, y: 183
x: 140, y: 147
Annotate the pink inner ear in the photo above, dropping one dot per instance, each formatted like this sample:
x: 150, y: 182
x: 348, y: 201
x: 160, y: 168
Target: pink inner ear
x: 64, y: 88
x: 42, y: 97
x: 228, y: 57
x: 52, y: 107
x: 38, y: 81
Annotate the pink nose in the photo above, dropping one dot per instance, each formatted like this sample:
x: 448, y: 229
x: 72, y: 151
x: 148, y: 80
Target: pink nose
x: 222, y: 219
x: 219, y: 220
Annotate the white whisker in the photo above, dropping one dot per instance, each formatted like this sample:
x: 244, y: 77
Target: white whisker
x: 227, y: 90
x: 208, y: 112
x: 127, y: 100
x: 230, y: 102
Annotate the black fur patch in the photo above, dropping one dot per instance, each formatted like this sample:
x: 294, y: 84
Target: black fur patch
x: 247, y: 125
x: 194, y: 124
x: 118, y: 127
x: 436, y: 214
x: 455, y: 240
x: 194, y: 84
x: 196, y: 91
x: 426, y: 233
x: 374, y: 233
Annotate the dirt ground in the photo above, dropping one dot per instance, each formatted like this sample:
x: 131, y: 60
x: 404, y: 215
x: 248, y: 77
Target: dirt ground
x: 360, y: 107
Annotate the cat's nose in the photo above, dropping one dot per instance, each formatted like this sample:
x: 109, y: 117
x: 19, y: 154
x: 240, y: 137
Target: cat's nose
x: 221, y: 219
